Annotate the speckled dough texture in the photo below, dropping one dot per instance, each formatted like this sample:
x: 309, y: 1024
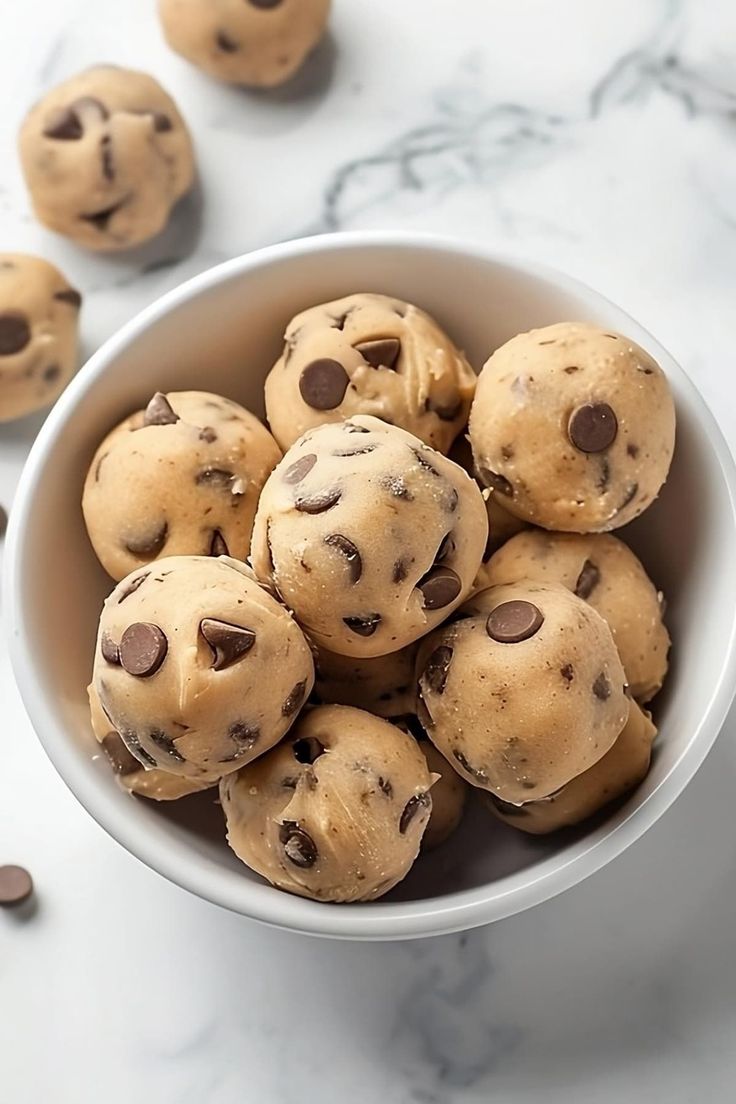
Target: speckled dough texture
x: 574, y: 427
x: 106, y: 155
x: 606, y: 573
x: 337, y: 811
x: 369, y: 354
x: 251, y: 42
x: 39, y: 313
x: 198, y: 667
x: 181, y: 477
x: 369, y: 536
x: 383, y: 685
x: 523, y: 718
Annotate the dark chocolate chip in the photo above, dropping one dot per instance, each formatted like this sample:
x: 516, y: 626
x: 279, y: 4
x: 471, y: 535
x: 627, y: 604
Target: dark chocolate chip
x: 300, y: 468
x: 289, y: 783
x: 159, y: 411
x: 265, y: 5
x: 570, y: 369
x: 16, y: 886
x: 166, y: 744
x: 496, y: 481
x: 64, y: 125
x: 307, y: 749
x: 446, y: 548
x: 70, y: 296
x: 109, y: 649
x: 605, y: 475
x: 568, y: 672
x: 143, y: 649
x: 101, y: 219
x: 592, y: 427
x: 440, y: 586
x: 475, y: 772
x: 351, y: 427
x: 229, y: 643
x: 424, y: 463
x: 438, y: 666
x: 218, y: 545
x: 51, y: 373
x: 400, y: 571
x: 385, y: 786
x: 294, y: 700
x: 588, y: 580
x: 132, y: 586
x: 602, y: 687
x: 108, y: 164
x: 121, y: 760
x: 452, y: 500
x: 507, y: 807
x: 512, y: 622
x: 446, y: 412
x: 319, y: 502
x: 351, y: 554
x: 632, y: 450
x: 323, y: 384
x: 227, y: 44
x: 148, y: 544
x: 134, y: 746
x: 410, y: 810
x: 207, y: 434
x: 364, y: 625
x: 629, y: 496
x: 380, y: 353
x: 425, y: 717
x: 161, y: 122
x: 99, y: 464
x: 359, y: 450
x: 15, y: 332
x: 244, y: 736
x: 217, y: 478
x: 507, y: 452
x: 298, y: 845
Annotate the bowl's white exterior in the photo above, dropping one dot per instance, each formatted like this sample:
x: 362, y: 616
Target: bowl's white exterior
x: 221, y: 331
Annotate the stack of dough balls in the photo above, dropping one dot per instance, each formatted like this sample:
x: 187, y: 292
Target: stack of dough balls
x: 343, y: 633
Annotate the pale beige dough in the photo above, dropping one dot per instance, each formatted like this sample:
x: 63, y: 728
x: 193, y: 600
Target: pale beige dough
x: 383, y: 685
x: 369, y: 354
x: 574, y: 427
x: 251, y: 42
x: 522, y: 718
x: 449, y: 796
x: 181, y: 477
x: 369, y: 536
x: 39, y: 313
x: 606, y: 573
x: 106, y: 155
x: 337, y: 811
x: 198, y: 667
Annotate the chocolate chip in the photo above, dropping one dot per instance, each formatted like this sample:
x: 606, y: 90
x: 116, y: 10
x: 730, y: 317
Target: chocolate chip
x: 15, y: 332
x: 568, y: 672
x: 592, y: 427
x: 161, y: 122
x: 99, y: 464
x: 446, y: 412
x: 570, y: 369
x: 166, y: 744
x: 148, y: 544
x: 51, y: 373
x: 16, y: 886
x: 512, y: 622
x: 475, y: 772
x: 298, y: 845
x: 628, y: 497
x: 108, y: 165
x: 446, y: 548
x: 338, y: 321
x: 227, y: 44
x: 207, y: 434
x: 507, y: 452
x: 265, y: 4
x: 319, y: 502
x: 323, y: 384
x: 295, y: 699
x: 218, y: 546
x: 347, y: 549
x: 410, y: 810
x: 121, y: 760
x: 425, y: 717
x: 3, y: 520
x: 143, y: 648
x: 438, y: 666
x: 159, y: 411
x: 109, y: 649
x: 70, y: 296
x: 359, y: 450
x: 440, y: 586
x: 244, y: 736
x: 632, y: 450
x: 365, y: 625
x: 400, y: 571
x: 452, y: 500
x: 307, y: 749
x: 380, y: 353
x: 602, y: 687
x: 424, y: 463
x: 588, y: 580
x: 217, y: 478
x: 134, y: 746
x: 229, y: 643
x: 101, y: 219
x: 496, y: 481
x: 132, y: 587
x: 300, y: 468
x: 351, y: 427
x: 64, y: 125
x: 605, y: 475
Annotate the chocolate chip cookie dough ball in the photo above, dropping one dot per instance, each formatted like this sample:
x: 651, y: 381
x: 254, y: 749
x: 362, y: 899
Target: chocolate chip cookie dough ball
x: 369, y: 536
x: 574, y: 427
x: 336, y: 812
x: 524, y: 694
x: 106, y: 155
x: 620, y: 770
x: 198, y: 667
x: 181, y: 477
x: 39, y: 313
x: 602, y: 570
x: 383, y: 685
x: 449, y: 796
x: 369, y: 354
x: 252, y: 42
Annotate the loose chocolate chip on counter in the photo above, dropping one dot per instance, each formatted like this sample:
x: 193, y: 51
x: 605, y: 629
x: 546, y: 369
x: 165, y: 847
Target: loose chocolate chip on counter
x: 380, y: 353
x: 298, y: 845
x: 207, y: 434
x: 592, y: 427
x: 70, y: 296
x: 300, y: 468
x: 588, y: 580
x: 227, y: 44
x: 143, y: 649
x: 602, y: 687
x: 351, y: 554
x: 294, y: 700
x: 440, y: 586
x: 121, y: 760
x: 108, y: 164
x: 365, y: 625
x: 568, y: 672
x: 133, y: 585
x: 159, y: 411
x: 218, y: 478
x: 166, y: 744
x: 148, y: 544
x: 437, y: 669
x: 410, y: 810
x: 496, y: 482
x: 323, y: 384
x: 229, y: 643
x: 512, y: 622
x: 16, y: 886
x: 15, y: 332
x: 109, y: 649
x: 218, y: 545
x: 308, y: 749
x: 319, y: 502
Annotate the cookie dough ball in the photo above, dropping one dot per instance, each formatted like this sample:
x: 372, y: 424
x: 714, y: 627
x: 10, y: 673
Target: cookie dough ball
x: 524, y: 694
x: 369, y: 536
x: 106, y: 155
x: 198, y: 667
x: 252, y: 42
x: 368, y: 354
x: 619, y: 771
x: 449, y: 795
x: 383, y: 685
x: 39, y: 314
x: 181, y: 477
x: 602, y: 570
x: 336, y: 812
x: 156, y: 784
x: 574, y: 427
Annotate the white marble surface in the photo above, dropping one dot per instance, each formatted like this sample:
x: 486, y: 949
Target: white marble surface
x: 600, y: 137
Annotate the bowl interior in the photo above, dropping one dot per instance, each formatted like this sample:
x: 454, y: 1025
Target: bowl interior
x: 222, y: 333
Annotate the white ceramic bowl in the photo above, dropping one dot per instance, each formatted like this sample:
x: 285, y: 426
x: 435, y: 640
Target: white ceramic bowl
x: 221, y: 331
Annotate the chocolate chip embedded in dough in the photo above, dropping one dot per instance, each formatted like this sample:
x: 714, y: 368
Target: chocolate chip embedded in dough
x: 265, y: 4
x: 294, y: 700
x: 64, y: 125
x: 440, y: 586
x: 207, y: 434
x: 226, y: 43
x: 587, y: 580
x: 512, y: 622
x: 218, y: 544
x: 133, y: 585
x: 592, y: 427
x: 348, y: 550
x: 15, y: 332
x: 319, y: 502
x: 165, y: 744
x: 70, y: 296
x: 217, y: 478
x: 568, y: 672
x: 602, y: 687
x: 298, y: 845
x: 229, y: 643
x: 148, y: 544
x: 300, y: 468
x: 120, y: 759
x: 159, y: 411
x: 410, y: 810
x: 143, y: 648
x: 437, y: 668
x: 323, y: 384
x: 364, y: 625
x: 382, y: 352
x: 109, y: 650
x: 496, y: 482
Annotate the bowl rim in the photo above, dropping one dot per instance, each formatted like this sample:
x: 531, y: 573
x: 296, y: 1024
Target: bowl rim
x: 382, y: 921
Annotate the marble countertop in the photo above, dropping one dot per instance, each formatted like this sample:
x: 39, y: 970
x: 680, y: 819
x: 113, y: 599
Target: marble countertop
x: 600, y: 138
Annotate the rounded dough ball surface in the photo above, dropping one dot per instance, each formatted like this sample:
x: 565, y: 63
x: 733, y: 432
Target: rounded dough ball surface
x: 522, y: 694
x: 260, y: 43
x: 574, y: 427
x: 198, y: 667
x: 39, y: 314
x: 181, y: 477
x: 106, y: 155
x: 337, y: 811
x: 383, y: 685
x: 602, y: 570
x: 369, y: 536
x: 449, y: 795
x: 369, y: 354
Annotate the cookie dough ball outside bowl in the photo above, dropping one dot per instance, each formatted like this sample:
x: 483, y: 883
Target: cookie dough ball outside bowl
x: 574, y: 427
x: 260, y: 43
x: 181, y: 477
x: 369, y: 536
x: 39, y: 314
x: 369, y: 354
x: 106, y: 155
x: 337, y: 811
x: 198, y: 667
